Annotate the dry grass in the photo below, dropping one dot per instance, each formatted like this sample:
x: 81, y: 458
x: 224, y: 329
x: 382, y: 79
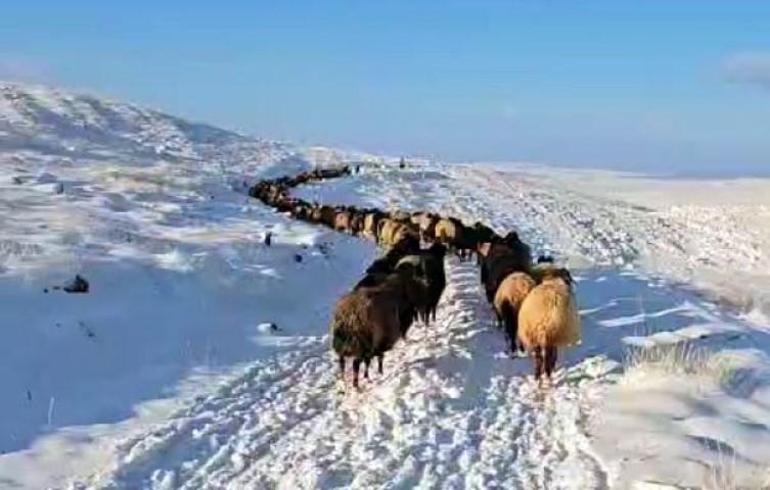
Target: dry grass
x: 725, y: 474
x: 682, y: 358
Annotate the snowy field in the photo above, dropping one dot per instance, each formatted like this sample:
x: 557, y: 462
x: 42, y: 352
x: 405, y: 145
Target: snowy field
x: 167, y: 373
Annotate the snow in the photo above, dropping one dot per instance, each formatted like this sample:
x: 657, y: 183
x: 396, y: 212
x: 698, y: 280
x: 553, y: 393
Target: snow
x: 199, y: 359
x: 710, y: 234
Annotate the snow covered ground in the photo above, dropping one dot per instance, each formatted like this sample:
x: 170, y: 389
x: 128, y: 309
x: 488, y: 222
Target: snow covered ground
x: 168, y: 375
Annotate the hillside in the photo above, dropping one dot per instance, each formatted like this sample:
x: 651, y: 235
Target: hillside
x: 167, y: 373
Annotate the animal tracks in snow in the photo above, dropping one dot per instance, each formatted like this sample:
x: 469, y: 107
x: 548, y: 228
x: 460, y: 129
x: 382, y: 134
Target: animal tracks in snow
x: 451, y: 410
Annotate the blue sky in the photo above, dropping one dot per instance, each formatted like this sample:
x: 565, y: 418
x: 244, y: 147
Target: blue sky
x: 658, y: 86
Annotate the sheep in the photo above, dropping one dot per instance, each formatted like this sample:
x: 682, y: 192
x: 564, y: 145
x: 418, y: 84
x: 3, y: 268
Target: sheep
x: 386, y: 228
x: 407, y: 283
x: 489, y: 248
x: 391, y: 232
x: 426, y: 224
x: 415, y: 293
x: 482, y: 233
x: 449, y: 232
x: 500, y: 260
x: 547, y: 269
x: 507, y: 302
x: 324, y: 215
x: 315, y: 214
x: 301, y: 211
x: 430, y: 263
x: 365, y: 324
x: 356, y: 222
x: 371, y: 221
x: 512, y: 240
x: 420, y: 294
x: 455, y: 235
x: 549, y: 320
x: 406, y: 234
x: 387, y: 263
x: 400, y: 216
x: 434, y: 269
x: 342, y: 221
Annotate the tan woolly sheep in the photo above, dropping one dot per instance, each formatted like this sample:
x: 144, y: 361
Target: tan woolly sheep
x: 371, y: 221
x: 508, y: 299
x: 391, y: 232
x: 548, y: 320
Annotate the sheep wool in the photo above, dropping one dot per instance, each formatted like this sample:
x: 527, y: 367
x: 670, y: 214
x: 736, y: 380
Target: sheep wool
x: 549, y: 317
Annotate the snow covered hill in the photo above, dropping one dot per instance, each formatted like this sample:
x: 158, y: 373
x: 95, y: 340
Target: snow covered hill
x: 168, y: 373
x: 66, y: 125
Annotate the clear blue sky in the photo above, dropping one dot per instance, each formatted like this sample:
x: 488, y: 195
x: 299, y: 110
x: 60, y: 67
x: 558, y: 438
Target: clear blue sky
x: 649, y: 85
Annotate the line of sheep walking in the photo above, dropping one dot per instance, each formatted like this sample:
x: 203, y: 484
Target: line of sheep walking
x: 534, y: 303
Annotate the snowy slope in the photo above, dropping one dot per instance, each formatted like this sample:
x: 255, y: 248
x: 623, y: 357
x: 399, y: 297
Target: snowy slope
x: 172, y: 248
x: 711, y: 234
x: 166, y: 375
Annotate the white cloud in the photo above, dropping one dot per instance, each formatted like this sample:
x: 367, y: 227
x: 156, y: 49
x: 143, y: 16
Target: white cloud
x: 750, y: 68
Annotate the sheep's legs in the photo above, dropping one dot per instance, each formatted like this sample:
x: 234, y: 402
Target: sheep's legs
x: 356, y: 369
x: 514, y: 346
x: 379, y: 363
x: 366, y: 368
x: 341, y: 362
x: 538, y: 359
x: 550, y: 361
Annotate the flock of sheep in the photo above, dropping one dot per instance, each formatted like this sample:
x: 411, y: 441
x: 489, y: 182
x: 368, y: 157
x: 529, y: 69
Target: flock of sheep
x: 534, y: 303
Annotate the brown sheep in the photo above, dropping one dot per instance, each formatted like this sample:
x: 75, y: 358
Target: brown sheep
x: 406, y: 233
x: 548, y: 320
x: 357, y: 222
x: 365, y: 324
x: 508, y: 299
x: 428, y: 267
x: 325, y: 215
x: 499, y: 261
x: 426, y: 223
x: 485, y: 249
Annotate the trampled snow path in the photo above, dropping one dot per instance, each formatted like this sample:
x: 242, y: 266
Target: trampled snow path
x: 451, y: 410
x: 130, y: 196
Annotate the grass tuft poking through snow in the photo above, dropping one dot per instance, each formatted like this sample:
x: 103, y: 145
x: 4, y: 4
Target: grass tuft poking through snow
x: 723, y: 475
x: 685, y: 411
x: 683, y: 358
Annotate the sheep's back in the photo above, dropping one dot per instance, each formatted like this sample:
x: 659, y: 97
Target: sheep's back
x: 548, y: 317
x: 514, y: 289
x: 365, y: 322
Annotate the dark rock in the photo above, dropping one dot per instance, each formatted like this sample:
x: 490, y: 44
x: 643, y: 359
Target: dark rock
x: 78, y: 285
